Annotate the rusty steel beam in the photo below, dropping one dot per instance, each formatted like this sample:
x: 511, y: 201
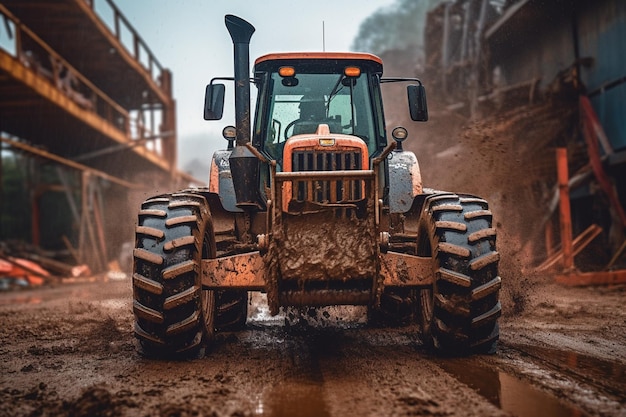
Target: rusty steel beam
x: 581, y: 279
x: 55, y: 96
x: 56, y: 158
x: 122, y: 146
x: 246, y: 270
x: 578, y: 244
x: 593, y: 133
x: 565, y: 210
x: 401, y: 270
x: 52, y: 53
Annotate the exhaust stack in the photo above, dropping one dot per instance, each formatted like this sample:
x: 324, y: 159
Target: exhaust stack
x: 241, y: 32
x: 244, y: 166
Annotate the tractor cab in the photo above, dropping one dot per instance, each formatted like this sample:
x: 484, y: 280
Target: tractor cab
x: 315, y: 111
x: 301, y: 94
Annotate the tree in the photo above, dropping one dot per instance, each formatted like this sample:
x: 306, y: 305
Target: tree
x: 399, y: 26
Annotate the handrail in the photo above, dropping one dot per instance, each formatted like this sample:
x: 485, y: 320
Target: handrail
x: 137, y: 41
x: 73, y: 84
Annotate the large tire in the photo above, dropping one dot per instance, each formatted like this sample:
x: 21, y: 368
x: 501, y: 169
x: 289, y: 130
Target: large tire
x: 459, y: 315
x: 173, y: 314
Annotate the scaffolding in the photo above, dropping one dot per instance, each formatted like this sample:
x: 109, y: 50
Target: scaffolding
x: 86, y: 102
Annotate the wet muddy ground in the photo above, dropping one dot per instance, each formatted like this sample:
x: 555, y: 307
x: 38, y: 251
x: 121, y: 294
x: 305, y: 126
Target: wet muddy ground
x: 70, y: 351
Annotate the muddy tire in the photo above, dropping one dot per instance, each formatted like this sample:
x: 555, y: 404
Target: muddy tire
x: 174, y: 316
x: 398, y: 307
x: 232, y: 310
x: 459, y: 315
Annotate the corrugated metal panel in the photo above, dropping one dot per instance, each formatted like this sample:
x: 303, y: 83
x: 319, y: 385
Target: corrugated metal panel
x: 602, y: 35
x: 611, y: 109
x: 533, y: 40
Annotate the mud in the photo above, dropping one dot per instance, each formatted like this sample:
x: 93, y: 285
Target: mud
x: 71, y: 352
x: 327, y: 245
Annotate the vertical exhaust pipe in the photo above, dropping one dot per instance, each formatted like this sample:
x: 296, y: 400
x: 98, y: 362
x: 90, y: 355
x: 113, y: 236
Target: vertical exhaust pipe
x: 244, y: 166
x: 241, y: 32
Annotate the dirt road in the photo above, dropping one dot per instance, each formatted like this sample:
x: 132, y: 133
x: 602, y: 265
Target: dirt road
x: 70, y: 351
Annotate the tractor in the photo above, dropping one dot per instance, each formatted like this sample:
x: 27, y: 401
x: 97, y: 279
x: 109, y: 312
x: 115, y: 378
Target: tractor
x: 313, y: 207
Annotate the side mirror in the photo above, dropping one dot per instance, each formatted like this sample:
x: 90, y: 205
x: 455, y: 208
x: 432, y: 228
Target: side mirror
x: 214, y: 101
x: 417, y: 103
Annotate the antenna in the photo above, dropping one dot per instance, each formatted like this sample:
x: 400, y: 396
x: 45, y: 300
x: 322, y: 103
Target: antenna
x: 323, y: 37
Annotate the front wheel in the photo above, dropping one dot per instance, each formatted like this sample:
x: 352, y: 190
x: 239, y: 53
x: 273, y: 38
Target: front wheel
x: 174, y: 315
x: 459, y: 314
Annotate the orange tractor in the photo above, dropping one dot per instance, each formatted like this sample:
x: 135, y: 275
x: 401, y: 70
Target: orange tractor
x: 314, y: 208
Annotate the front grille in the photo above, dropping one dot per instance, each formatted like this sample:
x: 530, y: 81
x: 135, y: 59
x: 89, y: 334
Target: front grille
x: 325, y: 161
x: 327, y: 191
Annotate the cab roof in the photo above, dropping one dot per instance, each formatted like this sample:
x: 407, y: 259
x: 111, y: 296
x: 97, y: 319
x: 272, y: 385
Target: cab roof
x: 275, y: 60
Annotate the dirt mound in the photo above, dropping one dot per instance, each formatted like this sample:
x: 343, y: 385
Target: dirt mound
x: 508, y: 158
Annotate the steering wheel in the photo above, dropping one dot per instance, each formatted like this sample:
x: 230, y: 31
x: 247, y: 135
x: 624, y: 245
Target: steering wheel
x: 290, y: 126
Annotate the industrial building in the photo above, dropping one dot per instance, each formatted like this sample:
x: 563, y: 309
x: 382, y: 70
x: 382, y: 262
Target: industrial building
x: 545, y: 75
x: 88, y: 128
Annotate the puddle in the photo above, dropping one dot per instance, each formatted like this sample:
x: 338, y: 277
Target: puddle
x: 302, y: 393
x: 293, y: 399
x: 611, y: 375
x: 507, y: 392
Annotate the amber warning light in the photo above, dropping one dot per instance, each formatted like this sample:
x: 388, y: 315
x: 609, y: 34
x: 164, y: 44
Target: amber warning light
x: 287, y: 71
x: 352, y: 71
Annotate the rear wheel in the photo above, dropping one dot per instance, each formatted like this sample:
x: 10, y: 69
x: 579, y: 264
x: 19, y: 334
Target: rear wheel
x: 398, y: 307
x: 459, y: 314
x: 232, y: 310
x: 173, y: 314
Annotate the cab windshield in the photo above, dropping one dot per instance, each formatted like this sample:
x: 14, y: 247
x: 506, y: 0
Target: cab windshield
x: 298, y: 105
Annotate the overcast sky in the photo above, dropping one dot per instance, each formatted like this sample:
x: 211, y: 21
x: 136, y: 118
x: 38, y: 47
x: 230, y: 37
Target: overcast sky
x: 189, y: 38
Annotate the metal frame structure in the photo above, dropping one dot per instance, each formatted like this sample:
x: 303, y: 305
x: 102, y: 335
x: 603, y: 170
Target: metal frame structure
x: 90, y: 95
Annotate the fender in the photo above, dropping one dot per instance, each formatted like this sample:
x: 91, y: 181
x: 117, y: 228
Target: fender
x: 412, y: 216
x: 405, y: 181
x: 221, y: 181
